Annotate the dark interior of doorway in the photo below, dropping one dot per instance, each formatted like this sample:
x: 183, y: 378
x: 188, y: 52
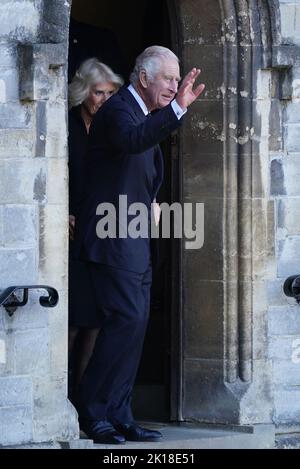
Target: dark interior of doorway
x: 116, y: 31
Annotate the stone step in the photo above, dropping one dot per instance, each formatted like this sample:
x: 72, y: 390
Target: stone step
x: 188, y: 436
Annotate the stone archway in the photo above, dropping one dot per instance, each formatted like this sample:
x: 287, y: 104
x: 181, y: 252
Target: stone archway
x: 221, y: 374
x: 224, y: 374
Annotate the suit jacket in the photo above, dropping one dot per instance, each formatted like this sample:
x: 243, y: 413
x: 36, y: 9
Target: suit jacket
x: 123, y: 158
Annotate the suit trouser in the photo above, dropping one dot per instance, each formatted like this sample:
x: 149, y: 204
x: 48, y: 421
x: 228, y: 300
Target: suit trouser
x: 123, y: 299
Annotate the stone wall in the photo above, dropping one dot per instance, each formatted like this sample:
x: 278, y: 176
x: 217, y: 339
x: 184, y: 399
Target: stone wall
x: 283, y: 312
x: 33, y: 220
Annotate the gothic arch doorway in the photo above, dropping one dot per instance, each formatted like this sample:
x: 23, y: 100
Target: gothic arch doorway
x: 213, y: 345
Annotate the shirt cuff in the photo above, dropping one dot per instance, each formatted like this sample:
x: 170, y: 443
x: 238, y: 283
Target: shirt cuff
x: 177, y: 109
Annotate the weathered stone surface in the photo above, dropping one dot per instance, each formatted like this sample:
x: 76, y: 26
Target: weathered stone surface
x: 32, y: 352
x: 292, y: 132
x: 15, y: 116
x: 203, y: 326
x: 7, y: 357
x: 9, y: 84
x: 57, y: 187
x: 284, y: 320
x: 290, y: 21
x: 18, y: 267
x: 53, y: 414
x: 8, y: 55
x: 276, y: 296
x: 20, y: 226
x: 284, y: 347
x: 15, y: 391
x: 288, y: 215
x: 277, y: 178
x: 22, y: 180
x: 16, y: 425
x: 287, y: 372
x: 16, y: 143
x: 31, y: 316
x: 287, y: 408
x: 53, y: 241
x: 20, y: 19
x: 288, y: 256
x: 263, y: 239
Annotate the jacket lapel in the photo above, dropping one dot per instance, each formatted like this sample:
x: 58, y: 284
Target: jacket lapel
x: 126, y: 96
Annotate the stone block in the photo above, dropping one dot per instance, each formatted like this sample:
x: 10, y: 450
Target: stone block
x: 278, y: 183
x: 37, y: 64
x: 284, y: 320
x: 19, y: 226
x: 263, y: 238
x: 58, y: 336
x: 207, y: 263
x: 284, y: 347
x: 32, y: 352
x: 204, y: 384
x: 18, y: 267
x: 31, y: 316
x: 288, y: 216
x: 15, y: 116
x: 23, y: 181
x: 212, y: 74
x: 293, y: 111
x: 1, y: 225
x: 276, y: 296
x: 287, y: 405
x: 286, y: 372
x: 57, y: 176
x: 54, y: 416
x: 289, y: 13
x: 198, y: 30
x: 16, y: 143
x: 56, y: 141
x: 257, y: 402
x: 8, y: 55
x: 203, y: 319
x: 15, y: 391
x: 7, y: 359
x: 16, y: 425
x: 288, y: 256
x: 259, y: 321
x: 10, y: 83
x: 292, y: 138
x: 53, y: 254
x: 20, y: 20
x: 296, y: 88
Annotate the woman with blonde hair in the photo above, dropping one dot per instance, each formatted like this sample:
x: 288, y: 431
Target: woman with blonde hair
x: 93, y: 83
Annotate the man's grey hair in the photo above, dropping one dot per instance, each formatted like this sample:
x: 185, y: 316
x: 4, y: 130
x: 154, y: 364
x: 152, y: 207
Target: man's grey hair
x: 150, y: 61
x: 90, y: 73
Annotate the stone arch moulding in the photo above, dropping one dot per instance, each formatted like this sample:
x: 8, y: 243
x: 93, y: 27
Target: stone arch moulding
x: 219, y: 375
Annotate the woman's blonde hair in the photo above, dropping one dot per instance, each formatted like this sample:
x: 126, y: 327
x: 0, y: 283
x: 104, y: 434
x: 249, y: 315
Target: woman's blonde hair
x: 90, y: 73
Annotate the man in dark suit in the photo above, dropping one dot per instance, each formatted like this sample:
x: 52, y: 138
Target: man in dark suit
x: 124, y: 159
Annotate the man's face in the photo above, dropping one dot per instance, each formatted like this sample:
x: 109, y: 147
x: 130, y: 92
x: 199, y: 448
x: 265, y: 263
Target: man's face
x: 98, y: 94
x: 163, y: 89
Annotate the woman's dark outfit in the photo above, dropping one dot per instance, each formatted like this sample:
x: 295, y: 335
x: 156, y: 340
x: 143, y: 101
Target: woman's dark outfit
x: 82, y: 305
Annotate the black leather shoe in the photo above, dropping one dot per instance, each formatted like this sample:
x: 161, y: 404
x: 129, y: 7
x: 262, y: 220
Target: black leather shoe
x: 132, y: 432
x: 101, y: 432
